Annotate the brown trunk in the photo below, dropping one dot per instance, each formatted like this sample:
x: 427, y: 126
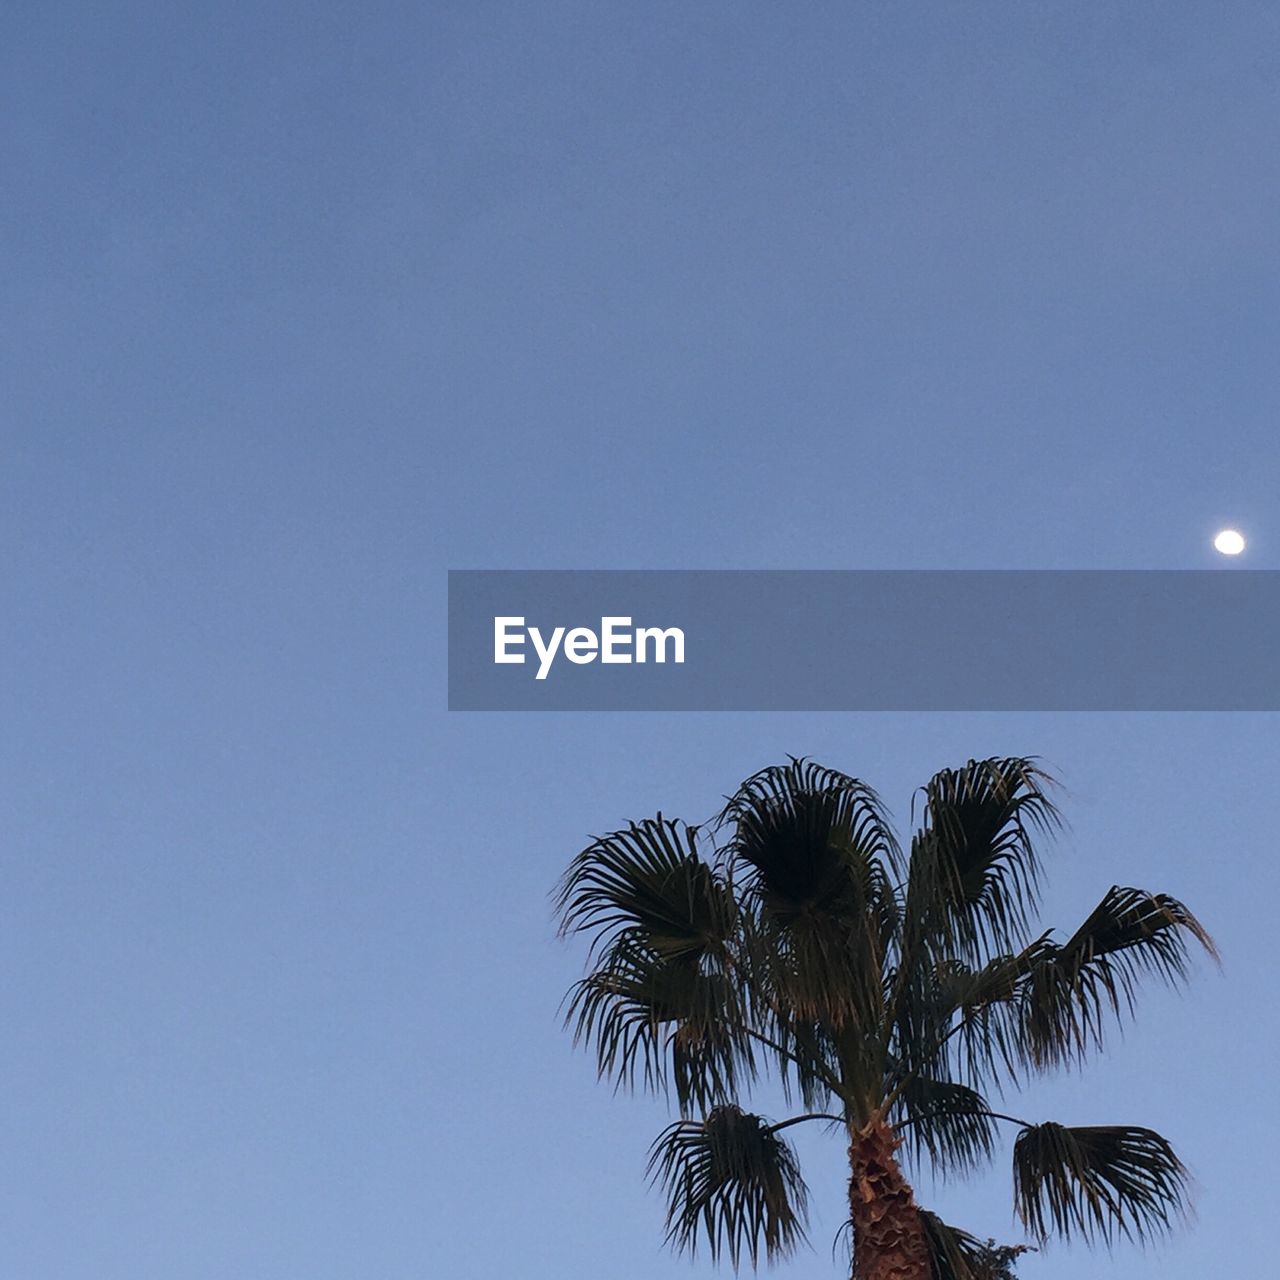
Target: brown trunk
x: 889, y: 1241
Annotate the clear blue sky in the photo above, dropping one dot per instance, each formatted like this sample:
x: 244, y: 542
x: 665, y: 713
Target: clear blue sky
x: 304, y: 304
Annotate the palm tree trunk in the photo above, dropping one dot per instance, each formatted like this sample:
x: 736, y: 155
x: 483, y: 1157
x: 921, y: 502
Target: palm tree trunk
x: 889, y: 1241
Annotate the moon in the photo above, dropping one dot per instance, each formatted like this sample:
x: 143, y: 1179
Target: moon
x: 1229, y: 542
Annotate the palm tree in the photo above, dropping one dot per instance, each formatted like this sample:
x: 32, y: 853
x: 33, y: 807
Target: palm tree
x: 891, y: 995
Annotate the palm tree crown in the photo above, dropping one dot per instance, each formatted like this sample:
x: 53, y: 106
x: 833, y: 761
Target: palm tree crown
x: 891, y: 993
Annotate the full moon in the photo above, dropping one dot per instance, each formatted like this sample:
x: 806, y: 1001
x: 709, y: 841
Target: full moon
x: 1229, y: 542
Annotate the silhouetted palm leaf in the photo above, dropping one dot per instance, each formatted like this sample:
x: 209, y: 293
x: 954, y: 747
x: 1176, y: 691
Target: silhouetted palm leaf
x: 733, y: 1182
x: 949, y: 1123
x: 1052, y: 1002
x: 1070, y: 991
x: 809, y: 832
x: 1097, y: 1182
x: 662, y: 1021
x: 808, y: 854
x: 974, y: 867
x: 648, y: 879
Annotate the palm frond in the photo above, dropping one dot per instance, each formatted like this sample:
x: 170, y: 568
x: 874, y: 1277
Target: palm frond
x: 1072, y: 990
x: 809, y: 855
x: 808, y: 832
x: 972, y: 883
x: 925, y: 998
x: 989, y: 1008
x: 947, y: 1122
x: 647, y: 878
x: 1099, y: 1182
x: 731, y: 1181
x: 665, y: 1023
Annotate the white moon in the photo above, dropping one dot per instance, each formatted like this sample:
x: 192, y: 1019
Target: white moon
x: 1229, y: 542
